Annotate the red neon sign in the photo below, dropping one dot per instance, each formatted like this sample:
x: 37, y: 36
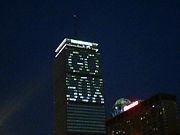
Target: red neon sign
x: 133, y: 104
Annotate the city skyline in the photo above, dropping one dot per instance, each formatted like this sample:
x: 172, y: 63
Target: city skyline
x: 139, y: 45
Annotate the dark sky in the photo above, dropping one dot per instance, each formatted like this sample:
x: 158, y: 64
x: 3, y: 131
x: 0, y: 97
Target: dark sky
x: 139, y: 44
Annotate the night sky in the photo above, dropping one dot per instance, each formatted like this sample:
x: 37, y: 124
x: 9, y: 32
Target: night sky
x: 138, y: 40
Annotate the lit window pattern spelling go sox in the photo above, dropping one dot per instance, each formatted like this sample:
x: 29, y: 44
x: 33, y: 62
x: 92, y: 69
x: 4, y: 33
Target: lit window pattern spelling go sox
x: 83, y: 62
x: 84, y: 89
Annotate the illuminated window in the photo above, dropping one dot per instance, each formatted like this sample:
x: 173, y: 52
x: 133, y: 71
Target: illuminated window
x: 102, y: 98
x: 75, y: 52
x: 80, y: 63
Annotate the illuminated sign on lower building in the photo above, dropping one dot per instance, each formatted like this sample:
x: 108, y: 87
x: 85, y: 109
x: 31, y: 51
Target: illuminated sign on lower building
x: 133, y: 104
x: 124, y: 108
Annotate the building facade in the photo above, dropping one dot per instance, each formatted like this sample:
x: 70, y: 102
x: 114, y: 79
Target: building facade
x: 155, y: 116
x: 78, y: 83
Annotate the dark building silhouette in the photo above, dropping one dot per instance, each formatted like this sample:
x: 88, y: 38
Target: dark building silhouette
x: 154, y: 116
x: 79, y: 100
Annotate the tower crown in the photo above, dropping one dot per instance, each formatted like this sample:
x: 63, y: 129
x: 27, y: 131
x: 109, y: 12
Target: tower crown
x: 75, y: 43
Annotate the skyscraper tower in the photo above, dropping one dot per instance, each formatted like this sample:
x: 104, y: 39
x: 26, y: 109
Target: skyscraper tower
x: 78, y: 84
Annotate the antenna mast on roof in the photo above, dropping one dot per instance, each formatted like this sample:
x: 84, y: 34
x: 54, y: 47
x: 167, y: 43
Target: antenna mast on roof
x: 76, y: 27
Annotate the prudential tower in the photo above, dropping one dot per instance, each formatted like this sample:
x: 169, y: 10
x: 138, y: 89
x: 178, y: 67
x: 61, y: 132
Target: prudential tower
x: 78, y: 83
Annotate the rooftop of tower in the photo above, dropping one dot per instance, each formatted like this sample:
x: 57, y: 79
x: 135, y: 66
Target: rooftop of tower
x: 75, y: 43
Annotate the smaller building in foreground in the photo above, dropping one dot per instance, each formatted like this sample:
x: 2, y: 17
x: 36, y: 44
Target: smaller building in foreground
x: 154, y: 116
